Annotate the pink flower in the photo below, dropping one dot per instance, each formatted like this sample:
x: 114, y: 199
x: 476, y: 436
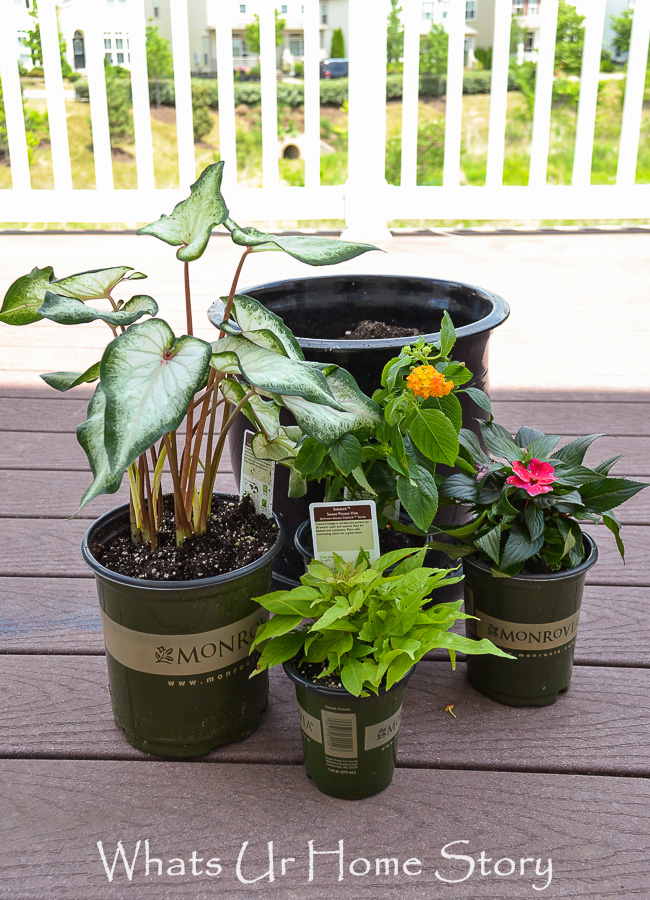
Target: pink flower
x: 536, y: 479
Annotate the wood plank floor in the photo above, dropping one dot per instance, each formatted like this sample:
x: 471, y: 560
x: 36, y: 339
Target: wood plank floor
x: 569, y: 783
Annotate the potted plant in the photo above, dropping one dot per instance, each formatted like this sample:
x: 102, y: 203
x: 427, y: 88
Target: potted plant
x: 525, y: 556
x: 176, y: 574
x: 420, y: 405
x: 349, y: 639
x: 360, y: 322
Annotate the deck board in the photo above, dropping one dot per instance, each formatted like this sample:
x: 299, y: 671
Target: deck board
x: 59, y: 707
x: 593, y: 829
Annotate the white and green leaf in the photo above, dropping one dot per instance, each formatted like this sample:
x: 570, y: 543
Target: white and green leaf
x: 64, y: 381
x: 315, y: 251
x: 90, y: 435
x: 71, y: 311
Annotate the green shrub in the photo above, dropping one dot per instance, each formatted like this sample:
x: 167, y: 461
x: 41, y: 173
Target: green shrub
x: 161, y: 93
x: 477, y: 82
x: 298, y: 68
x: 484, y: 57
x: 565, y: 92
x: 36, y: 130
x: 292, y: 95
x: 118, y: 96
x: 81, y: 89
x: 36, y: 72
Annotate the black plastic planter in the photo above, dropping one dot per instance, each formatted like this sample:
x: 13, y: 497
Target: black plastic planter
x: 349, y: 743
x: 319, y: 310
x: 534, y: 617
x: 178, y: 652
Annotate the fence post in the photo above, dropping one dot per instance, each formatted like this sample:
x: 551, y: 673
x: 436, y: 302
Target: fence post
x: 366, y: 188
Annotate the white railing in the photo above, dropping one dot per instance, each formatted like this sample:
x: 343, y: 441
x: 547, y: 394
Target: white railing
x: 366, y: 202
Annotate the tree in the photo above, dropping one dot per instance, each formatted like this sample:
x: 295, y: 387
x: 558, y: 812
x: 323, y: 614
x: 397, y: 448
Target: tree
x: 337, y: 50
x: 570, y: 39
x: 253, y: 33
x: 395, y: 37
x: 622, y: 28
x: 160, y: 62
x: 33, y: 44
x: 433, y: 51
x: 119, y: 100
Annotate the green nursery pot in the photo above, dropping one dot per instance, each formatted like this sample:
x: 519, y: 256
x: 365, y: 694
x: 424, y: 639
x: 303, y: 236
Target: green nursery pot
x: 349, y: 743
x: 178, y: 652
x: 533, y: 617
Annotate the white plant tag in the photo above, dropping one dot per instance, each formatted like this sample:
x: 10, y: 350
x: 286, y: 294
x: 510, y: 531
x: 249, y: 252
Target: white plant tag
x: 257, y: 476
x: 345, y: 529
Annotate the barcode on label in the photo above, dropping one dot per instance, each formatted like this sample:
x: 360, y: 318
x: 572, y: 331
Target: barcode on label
x: 340, y: 734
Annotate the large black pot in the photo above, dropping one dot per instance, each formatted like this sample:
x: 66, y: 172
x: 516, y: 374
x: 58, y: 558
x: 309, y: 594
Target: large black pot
x: 319, y: 310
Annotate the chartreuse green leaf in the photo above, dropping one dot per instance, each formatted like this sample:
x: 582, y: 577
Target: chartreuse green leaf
x: 434, y: 436
x: 252, y: 317
x: 63, y: 381
x: 193, y: 219
x: 90, y: 435
x: 280, y: 449
x: 70, y: 311
x: 315, y: 251
x: 149, y: 378
x: 447, y: 334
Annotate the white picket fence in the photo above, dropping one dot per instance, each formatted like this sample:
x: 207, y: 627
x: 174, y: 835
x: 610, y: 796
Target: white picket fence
x: 366, y: 202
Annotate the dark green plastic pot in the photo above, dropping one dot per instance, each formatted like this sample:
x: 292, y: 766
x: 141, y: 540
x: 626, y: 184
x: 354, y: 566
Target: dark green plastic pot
x: 349, y: 743
x: 178, y: 652
x: 534, y: 617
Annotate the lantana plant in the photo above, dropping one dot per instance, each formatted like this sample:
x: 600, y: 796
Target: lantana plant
x: 149, y: 380
x: 529, y: 499
x: 418, y: 429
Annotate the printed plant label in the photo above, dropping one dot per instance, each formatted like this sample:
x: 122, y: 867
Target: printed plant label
x: 310, y: 725
x: 340, y: 734
x: 344, y: 529
x: 382, y: 732
x: 257, y: 476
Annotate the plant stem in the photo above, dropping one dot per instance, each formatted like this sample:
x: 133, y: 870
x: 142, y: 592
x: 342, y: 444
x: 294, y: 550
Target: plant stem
x: 188, y: 301
x: 183, y: 528
x: 233, y: 288
x: 225, y: 428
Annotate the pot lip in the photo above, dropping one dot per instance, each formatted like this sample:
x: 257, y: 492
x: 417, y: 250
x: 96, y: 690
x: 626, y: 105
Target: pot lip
x: 167, y: 586
x: 292, y: 672
x: 586, y: 564
x: 498, y: 315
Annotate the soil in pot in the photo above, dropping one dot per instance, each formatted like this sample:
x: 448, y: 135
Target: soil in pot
x: 236, y: 536
x: 369, y: 330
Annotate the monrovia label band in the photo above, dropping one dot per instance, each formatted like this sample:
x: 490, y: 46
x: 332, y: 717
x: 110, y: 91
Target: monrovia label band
x: 181, y: 654
x: 521, y: 636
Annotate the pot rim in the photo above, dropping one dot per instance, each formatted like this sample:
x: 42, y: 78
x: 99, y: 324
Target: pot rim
x: 586, y: 564
x: 166, y: 586
x: 498, y: 315
x: 292, y: 672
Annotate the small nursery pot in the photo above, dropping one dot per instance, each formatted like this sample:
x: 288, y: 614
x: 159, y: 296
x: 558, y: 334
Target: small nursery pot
x: 534, y: 617
x: 178, y: 652
x: 349, y: 743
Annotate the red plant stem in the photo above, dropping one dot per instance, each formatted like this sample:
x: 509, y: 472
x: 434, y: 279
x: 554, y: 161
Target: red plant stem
x: 233, y: 288
x: 182, y: 525
x: 225, y: 428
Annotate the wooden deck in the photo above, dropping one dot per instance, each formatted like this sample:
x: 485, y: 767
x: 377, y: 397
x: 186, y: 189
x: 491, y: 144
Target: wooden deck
x: 566, y: 783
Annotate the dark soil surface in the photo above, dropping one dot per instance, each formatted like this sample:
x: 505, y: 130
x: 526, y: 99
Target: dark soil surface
x: 236, y: 536
x: 311, y: 671
x: 371, y: 331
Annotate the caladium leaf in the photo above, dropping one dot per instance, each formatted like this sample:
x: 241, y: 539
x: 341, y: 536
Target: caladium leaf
x: 263, y: 338
x: 279, y: 449
x: 351, y: 398
x: 251, y: 317
x: 71, y: 311
x: 64, y: 381
x: 264, y: 414
x: 26, y: 295
x: 193, y: 219
x: 315, y: 251
x: 90, y: 435
x: 272, y: 373
x: 149, y: 378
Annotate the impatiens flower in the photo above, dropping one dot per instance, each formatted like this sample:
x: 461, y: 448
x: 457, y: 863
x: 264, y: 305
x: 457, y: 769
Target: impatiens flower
x: 536, y: 479
x: 426, y: 381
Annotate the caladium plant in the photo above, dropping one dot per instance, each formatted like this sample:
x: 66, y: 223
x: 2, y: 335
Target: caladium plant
x: 366, y: 624
x: 150, y: 381
x: 529, y: 499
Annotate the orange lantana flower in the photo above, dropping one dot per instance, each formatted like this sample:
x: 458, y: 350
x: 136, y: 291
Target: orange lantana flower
x: 426, y: 381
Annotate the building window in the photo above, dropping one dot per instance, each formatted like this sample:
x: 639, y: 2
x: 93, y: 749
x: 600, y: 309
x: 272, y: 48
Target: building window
x: 427, y: 10
x: 120, y: 59
x: 107, y: 43
x: 517, y: 7
x: 470, y: 9
x: 283, y: 9
x: 118, y: 43
x: 323, y: 14
x: 109, y: 58
x: 242, y: 8
x: 296, y: 45
x: 79, y: 50
x: 529, y: 43
x: 156, y: 9
x: 533, y: 7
